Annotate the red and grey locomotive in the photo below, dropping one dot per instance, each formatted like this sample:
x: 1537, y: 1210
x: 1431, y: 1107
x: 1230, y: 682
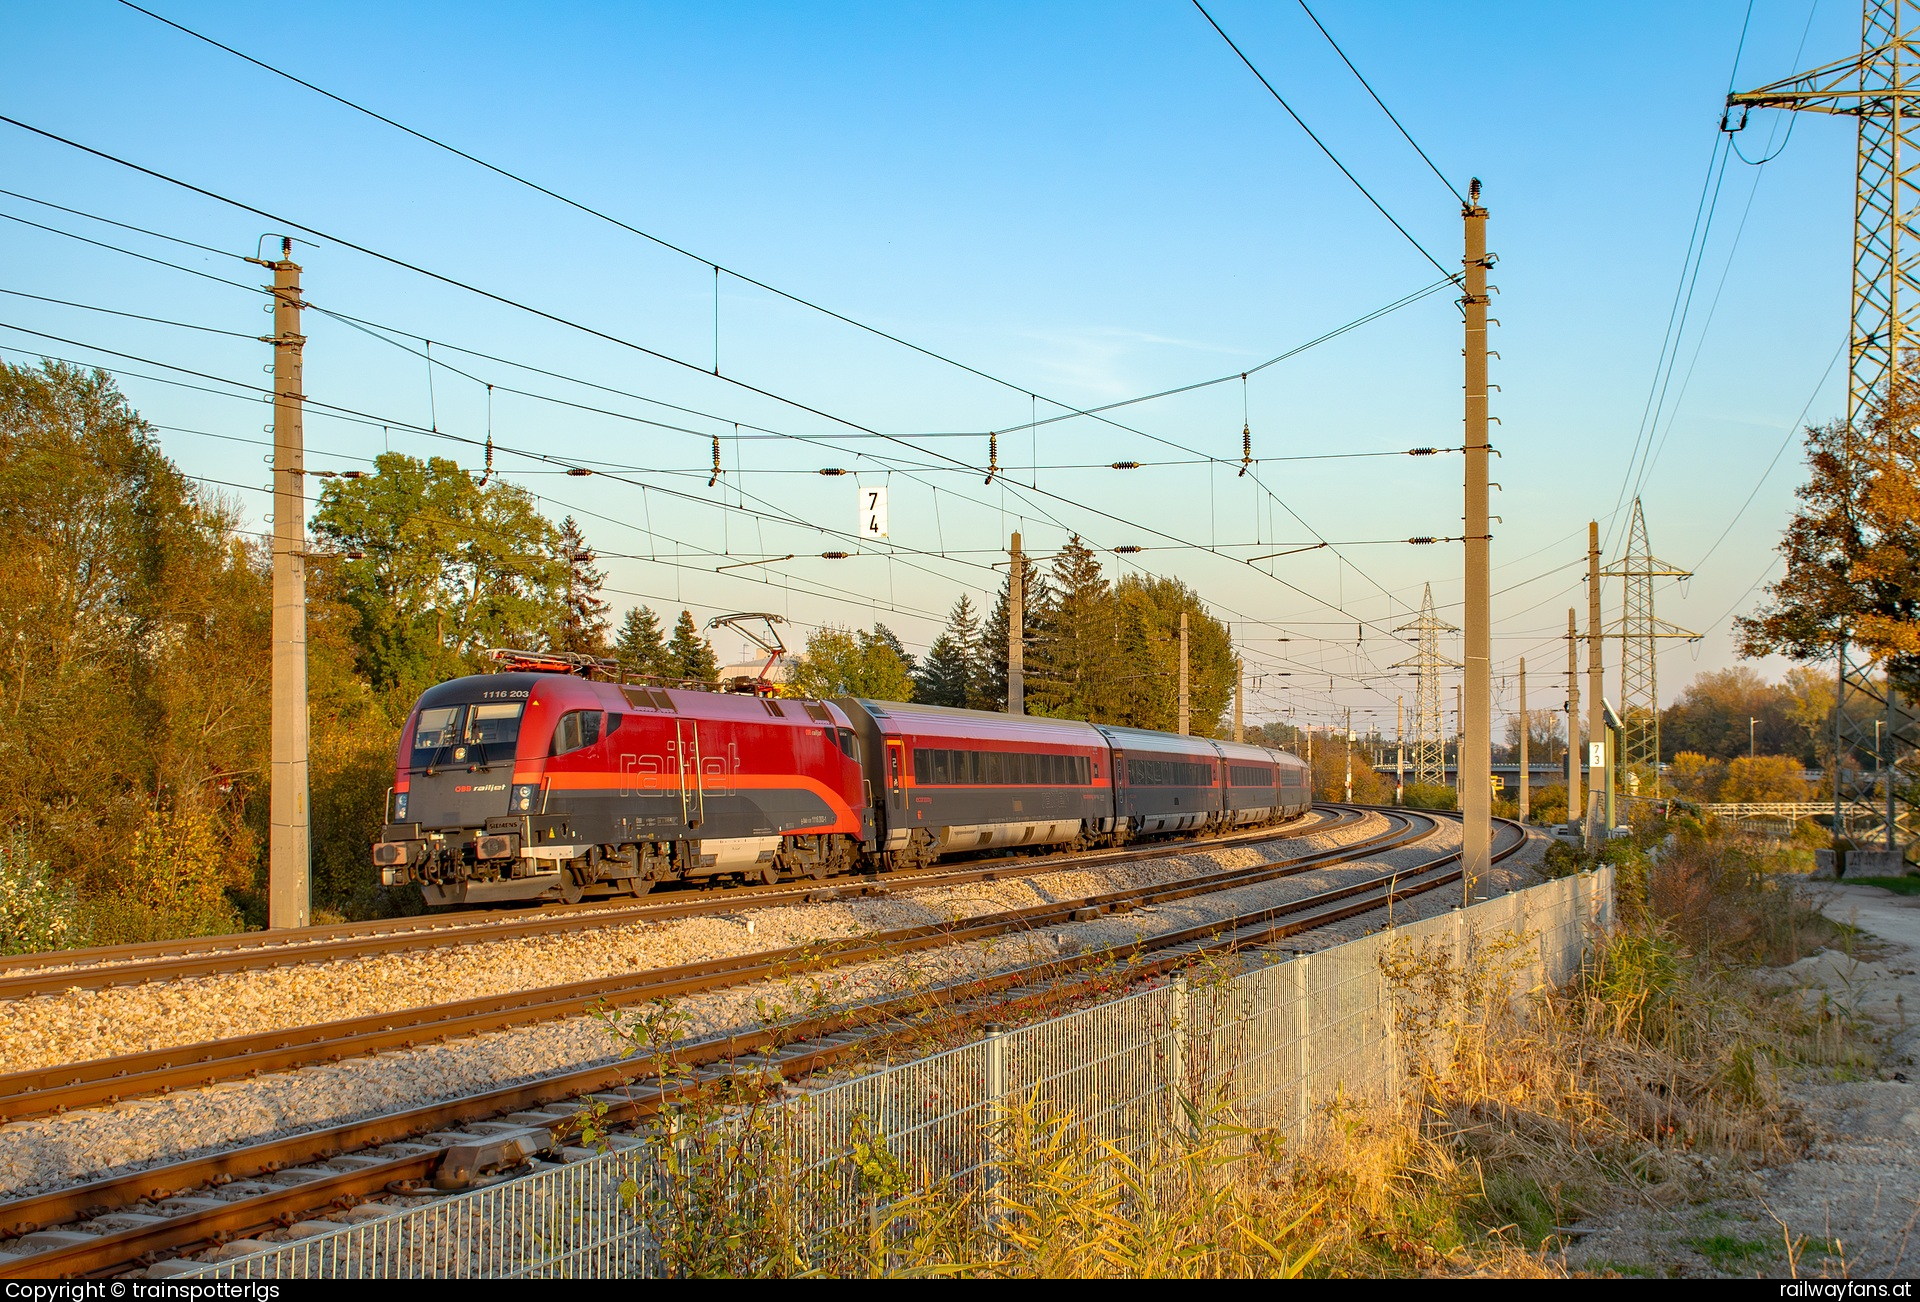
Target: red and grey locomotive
x: 541, y: 783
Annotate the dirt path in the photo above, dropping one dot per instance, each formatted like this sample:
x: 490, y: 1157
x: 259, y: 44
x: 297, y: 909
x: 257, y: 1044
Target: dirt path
x: 1850, y: 1207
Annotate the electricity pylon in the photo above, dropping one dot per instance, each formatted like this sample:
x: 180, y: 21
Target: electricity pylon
x: 1880, y: 89
x: 1640, y: 631
x: 1429, y: 745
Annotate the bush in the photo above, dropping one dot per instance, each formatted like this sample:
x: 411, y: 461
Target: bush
x: 1430, y: 796
x: 175, y: 880
x: 38, y: 912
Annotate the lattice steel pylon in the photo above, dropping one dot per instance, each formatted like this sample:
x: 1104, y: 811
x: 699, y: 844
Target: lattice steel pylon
x: 1880, y: 89
x: 1640, y: 631
x: 1429, y: 742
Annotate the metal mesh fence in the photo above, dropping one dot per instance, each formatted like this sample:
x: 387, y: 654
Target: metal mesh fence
x: 1276, y: 1040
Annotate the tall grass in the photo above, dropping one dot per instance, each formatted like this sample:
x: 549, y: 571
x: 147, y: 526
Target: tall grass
x: 1653, y: 1075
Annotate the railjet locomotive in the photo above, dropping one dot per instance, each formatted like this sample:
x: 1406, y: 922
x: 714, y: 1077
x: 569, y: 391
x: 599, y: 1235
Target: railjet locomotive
x: 542, y: 782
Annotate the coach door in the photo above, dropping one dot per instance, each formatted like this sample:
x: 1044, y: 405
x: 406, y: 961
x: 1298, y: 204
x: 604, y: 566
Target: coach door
x: 896, y: 783
x: 687, y: 768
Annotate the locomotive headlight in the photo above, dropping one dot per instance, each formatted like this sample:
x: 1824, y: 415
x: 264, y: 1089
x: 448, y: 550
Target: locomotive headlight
x: 399, y: 807
x: 521, y: 799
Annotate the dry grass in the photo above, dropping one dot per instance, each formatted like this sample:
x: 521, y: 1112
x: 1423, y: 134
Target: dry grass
x: 1651, y: 1078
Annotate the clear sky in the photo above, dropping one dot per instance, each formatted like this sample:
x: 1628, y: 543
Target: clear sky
x: 1089, y: 202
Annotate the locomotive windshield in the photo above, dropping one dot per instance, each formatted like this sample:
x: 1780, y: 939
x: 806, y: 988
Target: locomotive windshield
x: 466, y: 734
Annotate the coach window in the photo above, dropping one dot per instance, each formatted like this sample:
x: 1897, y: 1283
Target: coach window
x: 576, y: 730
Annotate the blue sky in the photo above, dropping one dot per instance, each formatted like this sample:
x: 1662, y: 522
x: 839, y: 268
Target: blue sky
x: 1090, y: 202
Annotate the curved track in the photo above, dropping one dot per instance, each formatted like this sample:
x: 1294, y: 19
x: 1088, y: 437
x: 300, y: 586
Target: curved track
x: 110, y: 1080
x: 121, y: 965
x: 168, y: 1209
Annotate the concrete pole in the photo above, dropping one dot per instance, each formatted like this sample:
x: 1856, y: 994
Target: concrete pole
x: 1349, y: 755
x: 1459, y: 735
x: 1596, y: 660
x: 1399, y: 750
x: 1526, y: 726
x: 1016, y: 634
x: 289, y: 852
x: 1476, y: 743
x: 1183, y: 675
x: 1573, y: 718
x: 1239, y: 691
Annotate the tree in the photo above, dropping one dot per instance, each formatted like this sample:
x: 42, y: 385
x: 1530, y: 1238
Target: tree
x: 1546, y: 736
x: 951, y: 673
x: 993, y: 638
x: 850, y: 662
x: 583, y: 622
x: 1146, y: 658
x: 134, y: 649
x: 450, y: 568
x: 1696, y: 776
x: 1853, y: 547
x: 689, y: 655
x: 1712, y: 716
x: 642, y: 644
x: 1071, y: 670
x: 886, y: 637
x: 1768, y: 778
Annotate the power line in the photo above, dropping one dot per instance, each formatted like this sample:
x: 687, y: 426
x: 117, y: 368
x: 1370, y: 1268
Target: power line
x: 1311, y: 136
x: 136, y: 316
x: 191, y: 271
x: 1382, y: 103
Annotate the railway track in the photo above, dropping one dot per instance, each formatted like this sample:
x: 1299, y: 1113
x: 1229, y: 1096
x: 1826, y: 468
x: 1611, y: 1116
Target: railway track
x: 25, y: 976
x: 138, y: 1219
x: 111, y: 1080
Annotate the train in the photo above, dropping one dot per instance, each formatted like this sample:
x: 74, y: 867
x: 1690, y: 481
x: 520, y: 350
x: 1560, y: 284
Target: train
x: 552, y: 781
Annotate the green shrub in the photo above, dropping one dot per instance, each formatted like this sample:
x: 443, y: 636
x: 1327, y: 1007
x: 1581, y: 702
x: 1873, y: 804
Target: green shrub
x: 38, y: 912
x: 1429, y: 796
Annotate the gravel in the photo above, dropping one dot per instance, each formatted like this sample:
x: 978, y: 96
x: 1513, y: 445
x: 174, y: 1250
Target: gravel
x: 55, y: 1151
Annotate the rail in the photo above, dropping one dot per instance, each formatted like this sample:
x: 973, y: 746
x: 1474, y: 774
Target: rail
x: 1278, y: 1041
x: 320, y: 1169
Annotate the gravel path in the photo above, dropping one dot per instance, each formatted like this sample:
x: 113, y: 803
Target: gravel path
x: 1849, y: 1205
x: 49, y: 1152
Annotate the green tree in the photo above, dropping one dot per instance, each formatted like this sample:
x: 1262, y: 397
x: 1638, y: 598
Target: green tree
x: 583, y: 620
x: 689, y: 655
x: 1072, y: 669
x: 951, y: 673
x: 1147, y: 658
x: 642, y: 644
x: 993, y: 638
x: 851, y: 662
x: 450, y: 568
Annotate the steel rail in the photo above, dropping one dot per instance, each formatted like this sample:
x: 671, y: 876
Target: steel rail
x: 253, y: 951
x: 789, y: 1050
x: 45, y: 1090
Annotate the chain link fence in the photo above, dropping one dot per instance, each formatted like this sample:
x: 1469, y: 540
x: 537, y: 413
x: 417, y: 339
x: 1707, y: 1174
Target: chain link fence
x: 1275, y: 1040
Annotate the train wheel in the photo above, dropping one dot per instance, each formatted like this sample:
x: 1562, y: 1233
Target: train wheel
x: 571, y: 891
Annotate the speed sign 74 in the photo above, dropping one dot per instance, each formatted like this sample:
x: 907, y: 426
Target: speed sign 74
x: 873, y: 512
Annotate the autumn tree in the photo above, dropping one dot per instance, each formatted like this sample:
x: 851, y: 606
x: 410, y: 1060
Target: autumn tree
x: 134, y: 635
x: 1852, y: 549
x: 1713, y: 714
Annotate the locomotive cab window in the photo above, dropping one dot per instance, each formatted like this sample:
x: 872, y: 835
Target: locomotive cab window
x: 576, y: 730
x: 496, y: 724
x: 435, y: 729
